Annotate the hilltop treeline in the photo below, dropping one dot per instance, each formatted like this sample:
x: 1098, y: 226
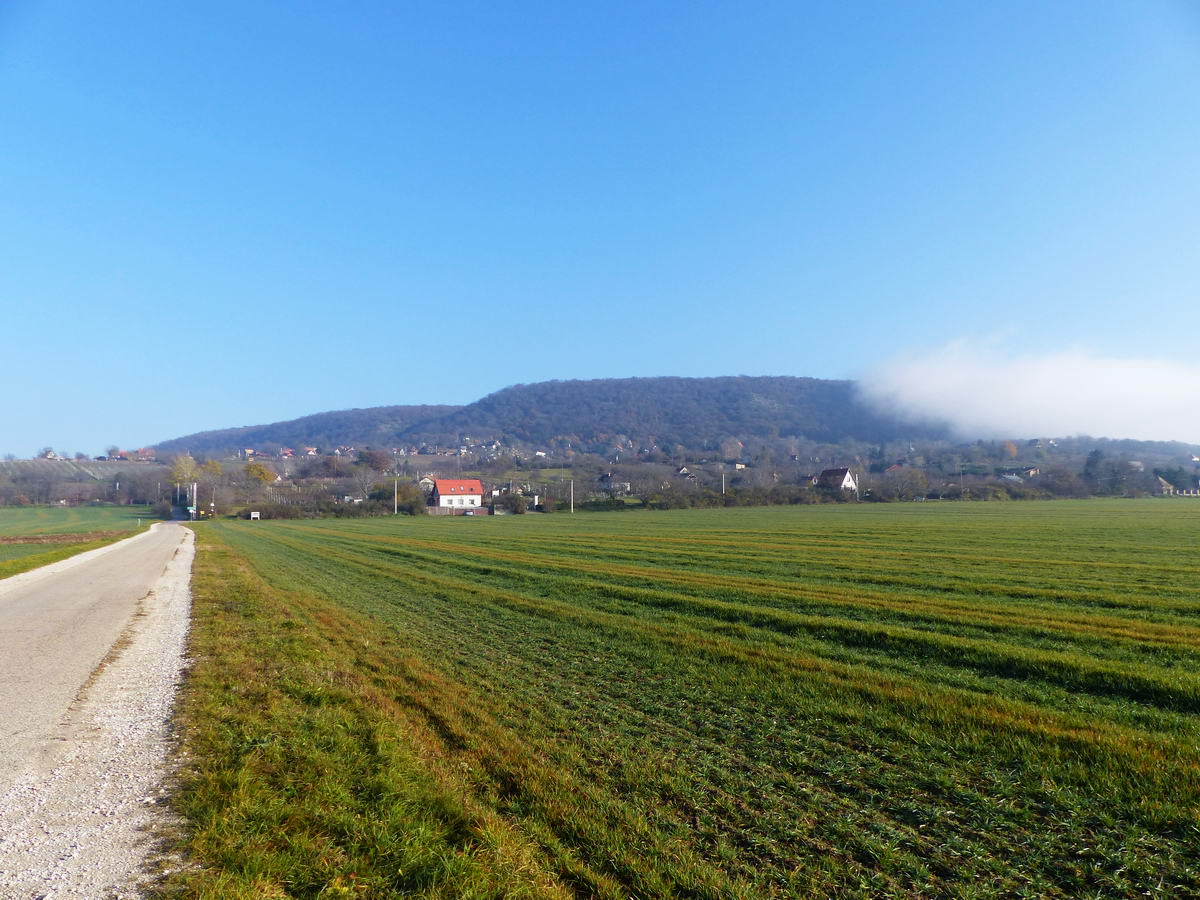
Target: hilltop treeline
x: 379, y: 426
x: 593, y: 415
x: 689, y: 412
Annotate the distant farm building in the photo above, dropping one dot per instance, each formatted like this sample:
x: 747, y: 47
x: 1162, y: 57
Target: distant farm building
x: 457, y: 493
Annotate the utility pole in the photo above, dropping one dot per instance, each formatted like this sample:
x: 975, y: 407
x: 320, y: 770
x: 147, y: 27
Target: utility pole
x: 395, y: 496
x: 572, y: 495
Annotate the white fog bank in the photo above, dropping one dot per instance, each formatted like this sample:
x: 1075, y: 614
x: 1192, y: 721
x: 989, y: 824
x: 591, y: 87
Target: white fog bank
x: 984, y: 393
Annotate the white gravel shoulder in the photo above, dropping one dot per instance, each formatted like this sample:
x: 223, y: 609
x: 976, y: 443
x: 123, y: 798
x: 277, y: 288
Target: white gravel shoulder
x: 85, y: 826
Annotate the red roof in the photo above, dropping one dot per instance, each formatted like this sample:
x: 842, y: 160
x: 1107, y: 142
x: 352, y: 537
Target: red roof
x: 459, y: 486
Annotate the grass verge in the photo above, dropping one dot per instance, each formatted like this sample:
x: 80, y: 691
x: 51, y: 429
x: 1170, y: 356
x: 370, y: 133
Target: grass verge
x: 306, y: 777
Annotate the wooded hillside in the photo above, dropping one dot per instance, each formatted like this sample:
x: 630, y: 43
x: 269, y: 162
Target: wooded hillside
x: 381, y: 426
x: 685, y: 411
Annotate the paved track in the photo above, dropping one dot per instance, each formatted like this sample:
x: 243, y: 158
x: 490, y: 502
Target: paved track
x: 57, y: 625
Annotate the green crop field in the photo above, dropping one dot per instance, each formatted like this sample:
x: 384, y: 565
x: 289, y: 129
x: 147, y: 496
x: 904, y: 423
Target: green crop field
x: 919, y: 700
x: 30, y: 520
x: 32, y: 536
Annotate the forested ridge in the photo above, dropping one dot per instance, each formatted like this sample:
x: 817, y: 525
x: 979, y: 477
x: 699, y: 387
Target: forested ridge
x: 686, y: 411
x: 375, y: 426
x: 689, y: 411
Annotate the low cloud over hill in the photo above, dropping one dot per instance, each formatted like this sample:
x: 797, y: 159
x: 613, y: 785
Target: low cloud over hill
x: 983, y: 392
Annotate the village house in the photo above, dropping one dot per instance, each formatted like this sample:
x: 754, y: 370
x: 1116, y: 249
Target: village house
x: 608, y: 483
x: 457, y: 493
x: 837, y: 479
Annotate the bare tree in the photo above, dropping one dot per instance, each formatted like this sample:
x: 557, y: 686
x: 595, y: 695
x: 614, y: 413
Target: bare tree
x: 364, y: 478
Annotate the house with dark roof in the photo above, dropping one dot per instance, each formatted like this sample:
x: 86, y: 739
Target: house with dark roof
x: 837, y: 479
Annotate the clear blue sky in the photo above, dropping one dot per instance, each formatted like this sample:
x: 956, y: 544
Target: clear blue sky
x: 228, y: 213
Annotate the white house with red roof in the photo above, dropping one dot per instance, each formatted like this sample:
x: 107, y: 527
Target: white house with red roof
x: 457, y: 493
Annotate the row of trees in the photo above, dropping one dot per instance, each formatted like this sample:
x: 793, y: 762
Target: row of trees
x: 52, y: 484
x: 775, y: 472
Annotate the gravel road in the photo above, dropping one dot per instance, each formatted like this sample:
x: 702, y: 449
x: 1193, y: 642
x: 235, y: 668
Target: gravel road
x: 91, y: 652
